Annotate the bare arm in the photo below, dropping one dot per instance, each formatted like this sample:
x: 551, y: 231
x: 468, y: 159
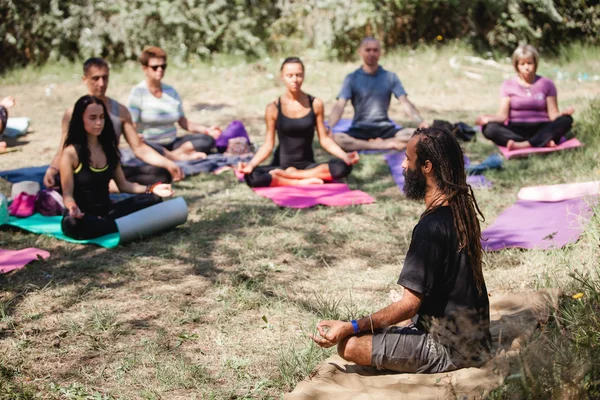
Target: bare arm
x: 336, y: 112
x: 326, y: 141
x: 68, y: 162
x: 500, y: 116
x: 143, y: 151
x: 411, y: 110
x: 193, y: 127
x: 55, y: 164
x: 124, y: 185
x: 266, y: 148
x: 396, y: 312
x: 159, y: 189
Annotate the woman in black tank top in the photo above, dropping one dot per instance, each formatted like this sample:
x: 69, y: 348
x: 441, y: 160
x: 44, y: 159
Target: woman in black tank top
x: 87, y: 164
x: 295, y: 116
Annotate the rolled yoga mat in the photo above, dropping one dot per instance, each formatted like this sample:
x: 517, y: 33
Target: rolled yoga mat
x: 561, y: 192
x: 152, y: 220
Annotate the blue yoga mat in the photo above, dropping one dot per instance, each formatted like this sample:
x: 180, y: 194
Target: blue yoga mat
x: 35, y: 174
x: 50, y: 226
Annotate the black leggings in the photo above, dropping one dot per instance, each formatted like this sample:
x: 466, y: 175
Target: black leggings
x: 538, y: 134
x: 91, y: 226
x: 260, y: 176
x: 147, y: 174
x: 201, y: 142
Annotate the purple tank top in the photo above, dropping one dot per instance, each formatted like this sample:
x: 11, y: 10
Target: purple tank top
x: 528, y: 104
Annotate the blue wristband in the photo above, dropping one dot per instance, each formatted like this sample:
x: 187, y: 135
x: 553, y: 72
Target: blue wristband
x: 355, y: 327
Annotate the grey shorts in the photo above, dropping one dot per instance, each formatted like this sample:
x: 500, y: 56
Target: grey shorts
x: 407, y: 349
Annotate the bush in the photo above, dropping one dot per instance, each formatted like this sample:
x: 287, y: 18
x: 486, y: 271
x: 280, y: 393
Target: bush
x: 35, y: 30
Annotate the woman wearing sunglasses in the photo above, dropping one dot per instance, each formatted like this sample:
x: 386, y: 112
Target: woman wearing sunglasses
x: 155, y: 108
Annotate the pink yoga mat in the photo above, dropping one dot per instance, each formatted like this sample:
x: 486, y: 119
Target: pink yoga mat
x: 569, y: 144
x: 11, y: 260
x: 329, y: 194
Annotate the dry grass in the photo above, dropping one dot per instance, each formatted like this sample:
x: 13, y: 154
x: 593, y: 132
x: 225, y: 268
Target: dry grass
x: 220, y: 307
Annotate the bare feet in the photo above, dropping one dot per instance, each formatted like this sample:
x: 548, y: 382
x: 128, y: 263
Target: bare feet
x: 310, y: 181
x: 399, y: 145
x: 512, y: 145
x: 551, y: 144
x: 3, y: 147
x: 192, y: 156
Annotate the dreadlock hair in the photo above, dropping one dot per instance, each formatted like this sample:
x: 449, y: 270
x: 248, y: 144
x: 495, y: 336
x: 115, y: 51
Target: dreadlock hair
x: 443, y: 151
x: 77, y: 136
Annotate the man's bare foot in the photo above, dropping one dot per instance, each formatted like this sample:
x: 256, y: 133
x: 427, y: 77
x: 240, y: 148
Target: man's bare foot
x: 551, y: 143
x: 399, y: 145
x: 192, y: 156
x: 512, y: 145
x: 310, y: 181
x: 3, y: 147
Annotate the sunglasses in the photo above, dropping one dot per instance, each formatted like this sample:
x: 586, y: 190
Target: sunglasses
x: 155, y: 67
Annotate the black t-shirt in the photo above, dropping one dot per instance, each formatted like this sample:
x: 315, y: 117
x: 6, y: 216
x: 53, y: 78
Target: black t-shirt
x: 452, y: 310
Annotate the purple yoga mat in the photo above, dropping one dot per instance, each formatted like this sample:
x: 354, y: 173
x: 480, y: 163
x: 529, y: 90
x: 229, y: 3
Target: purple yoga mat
x: 329, y: 194
x: 538, y: 225
x: 11, y: 260
x: 569, y: 144
x: 395, y: 160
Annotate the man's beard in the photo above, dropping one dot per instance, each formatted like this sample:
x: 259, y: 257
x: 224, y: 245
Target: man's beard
x: 415, y: 184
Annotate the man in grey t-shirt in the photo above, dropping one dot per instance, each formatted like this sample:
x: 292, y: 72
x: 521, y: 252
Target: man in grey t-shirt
x: 370, y: 89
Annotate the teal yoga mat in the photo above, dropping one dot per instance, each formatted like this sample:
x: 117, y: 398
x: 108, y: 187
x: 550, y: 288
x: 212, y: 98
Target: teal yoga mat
x: 50, y: 226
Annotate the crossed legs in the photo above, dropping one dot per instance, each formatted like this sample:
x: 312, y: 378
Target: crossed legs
x: 397, y: 142
x: 313, y: 174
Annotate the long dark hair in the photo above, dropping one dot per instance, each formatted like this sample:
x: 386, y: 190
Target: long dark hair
x: 443, y: 151
x: 77, y: 136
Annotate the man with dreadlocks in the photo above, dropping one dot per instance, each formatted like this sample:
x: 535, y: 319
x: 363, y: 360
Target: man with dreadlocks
x: 441, y: 323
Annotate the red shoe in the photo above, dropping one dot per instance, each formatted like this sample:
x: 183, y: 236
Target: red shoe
x: 27, y: 206
x: 14, y: 206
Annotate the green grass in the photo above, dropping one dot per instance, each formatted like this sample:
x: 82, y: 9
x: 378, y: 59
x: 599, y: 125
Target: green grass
x: 221, y: 306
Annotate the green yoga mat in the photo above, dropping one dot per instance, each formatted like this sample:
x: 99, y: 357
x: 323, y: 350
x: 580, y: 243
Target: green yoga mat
x: 50, y: 226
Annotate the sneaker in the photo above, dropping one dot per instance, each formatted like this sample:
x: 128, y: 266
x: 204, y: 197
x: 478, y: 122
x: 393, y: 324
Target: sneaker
x: 14, y: 206
x: 27, y: 206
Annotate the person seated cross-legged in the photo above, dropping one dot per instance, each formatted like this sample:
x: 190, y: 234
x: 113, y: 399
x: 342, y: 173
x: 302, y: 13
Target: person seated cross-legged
x: 370, y: 89
x: 295, y: 116
x: 442, y: 321
x: 155, y: 107
x: 528, y: 114
x: 89, y: 161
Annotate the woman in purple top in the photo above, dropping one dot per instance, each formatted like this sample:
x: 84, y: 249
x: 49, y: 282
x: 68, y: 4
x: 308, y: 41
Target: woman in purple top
x: 528, y: 115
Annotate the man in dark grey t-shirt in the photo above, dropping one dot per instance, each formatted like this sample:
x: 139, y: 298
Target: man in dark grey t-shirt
x: 370, y: 89
x: 441, y: 322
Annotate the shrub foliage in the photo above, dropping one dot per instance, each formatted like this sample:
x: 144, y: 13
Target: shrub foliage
x: 32, y: 31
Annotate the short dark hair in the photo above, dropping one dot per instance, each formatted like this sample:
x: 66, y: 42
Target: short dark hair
x: 94, y: 62
x: 292, y: 60
x: 151, y: 52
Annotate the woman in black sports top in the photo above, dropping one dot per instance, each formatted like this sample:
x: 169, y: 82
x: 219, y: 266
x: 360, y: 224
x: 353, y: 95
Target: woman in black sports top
x: 87, y: 164
x: 295, y: 116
